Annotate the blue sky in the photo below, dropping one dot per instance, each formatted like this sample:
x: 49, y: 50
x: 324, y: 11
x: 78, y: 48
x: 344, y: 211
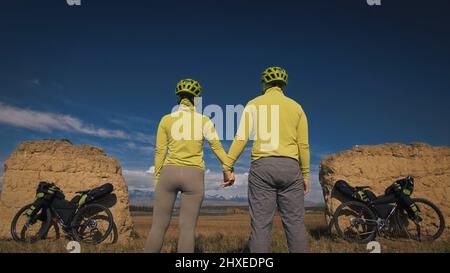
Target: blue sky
x: 104, y: 73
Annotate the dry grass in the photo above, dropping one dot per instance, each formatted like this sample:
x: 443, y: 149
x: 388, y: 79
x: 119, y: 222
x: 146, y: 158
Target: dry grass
x: 229, y: 234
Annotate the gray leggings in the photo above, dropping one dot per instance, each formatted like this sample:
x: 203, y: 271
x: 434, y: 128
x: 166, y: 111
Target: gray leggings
x: 190, y: 182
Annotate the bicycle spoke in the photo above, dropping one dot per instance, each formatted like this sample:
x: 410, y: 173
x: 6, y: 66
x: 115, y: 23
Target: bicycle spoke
x: 95, y: 224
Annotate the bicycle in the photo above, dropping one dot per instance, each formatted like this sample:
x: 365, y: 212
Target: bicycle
x: 80, y: 219
x: 359, y: 222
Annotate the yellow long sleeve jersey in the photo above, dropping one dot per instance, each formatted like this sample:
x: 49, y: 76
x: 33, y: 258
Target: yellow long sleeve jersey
x: 181, y: 136
x: 278, y: 127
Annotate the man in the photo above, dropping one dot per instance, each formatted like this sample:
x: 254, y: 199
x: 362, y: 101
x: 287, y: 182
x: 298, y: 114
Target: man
x: 279, y: 172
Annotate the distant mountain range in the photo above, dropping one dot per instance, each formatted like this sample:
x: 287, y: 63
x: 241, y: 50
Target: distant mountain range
x: 140, y: 194
x: 140, y: 197
x: 146, y: 198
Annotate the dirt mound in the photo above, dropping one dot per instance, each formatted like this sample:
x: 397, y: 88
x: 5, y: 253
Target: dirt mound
x: 70, y: 167
x: 380, y: 165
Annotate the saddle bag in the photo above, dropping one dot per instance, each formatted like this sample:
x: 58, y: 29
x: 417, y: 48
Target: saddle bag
x: 96, y: 194
x: 364, y: 195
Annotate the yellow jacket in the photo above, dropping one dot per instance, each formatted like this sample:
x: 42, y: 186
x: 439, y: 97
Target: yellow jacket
x: 180, y: 138
x: 278, y: 127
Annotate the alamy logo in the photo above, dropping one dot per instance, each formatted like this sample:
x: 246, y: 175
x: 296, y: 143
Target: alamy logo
x: 373, y: 2
x: 374, y: 247
x: 73, y: 247
x: 73, y: 2
x: 260, y: 123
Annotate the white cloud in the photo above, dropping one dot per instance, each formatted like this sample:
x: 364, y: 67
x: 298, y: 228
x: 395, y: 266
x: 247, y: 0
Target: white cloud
x: 144, y: 180
x: 145, y: 138
x: 32, y: 82
x: 151, y: 170
x: 139, y: 179
x: 36, y: 82
x: 213, y: 180
x: 47, y: 122
x: 315, y: 190
x: 135, y: 173
x: 146, y: 149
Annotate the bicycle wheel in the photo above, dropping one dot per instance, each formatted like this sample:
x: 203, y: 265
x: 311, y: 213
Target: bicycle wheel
x: 431, y: 226
x: 92, y: 224
x: 30, y: 229
x: 355, y: 222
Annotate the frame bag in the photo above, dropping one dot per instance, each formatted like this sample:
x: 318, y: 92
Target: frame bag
x: 65, y: 209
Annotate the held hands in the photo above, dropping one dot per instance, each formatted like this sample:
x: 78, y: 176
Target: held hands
x: 228, y: 179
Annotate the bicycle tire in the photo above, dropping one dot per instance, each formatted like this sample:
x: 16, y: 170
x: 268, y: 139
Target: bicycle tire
x: 42, y: 231
x: 370, y: 215
x: 76, y: 233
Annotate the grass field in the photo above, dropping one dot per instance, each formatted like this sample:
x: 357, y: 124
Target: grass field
x: 228, y: 232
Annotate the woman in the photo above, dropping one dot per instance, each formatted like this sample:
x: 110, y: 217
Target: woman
x: 181, y: 134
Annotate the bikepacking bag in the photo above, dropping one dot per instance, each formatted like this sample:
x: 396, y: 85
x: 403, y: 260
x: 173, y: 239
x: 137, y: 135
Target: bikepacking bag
x: 96, y: 193
x: 403, y: 188
x: 384, y: 204
x: 37, y: 205
x: 364, y: 195
x: 383, y: 210
x: 65, y: 210
x: 45, y: 193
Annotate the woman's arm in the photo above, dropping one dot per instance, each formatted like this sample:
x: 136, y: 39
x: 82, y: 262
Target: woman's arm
x: 161, y: 148
x: 210, y: 134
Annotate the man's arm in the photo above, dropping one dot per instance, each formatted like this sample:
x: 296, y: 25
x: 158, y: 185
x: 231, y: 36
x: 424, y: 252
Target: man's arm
x: 160, y: 149
x: 240, y: 140
x: 303, y: 146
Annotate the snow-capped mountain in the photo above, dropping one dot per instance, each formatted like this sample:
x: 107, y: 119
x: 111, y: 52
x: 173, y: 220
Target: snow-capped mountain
x: 140, y: 197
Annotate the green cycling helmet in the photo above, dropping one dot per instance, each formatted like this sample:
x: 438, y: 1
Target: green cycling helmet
x: 189, y: 86
x: 274, y: 73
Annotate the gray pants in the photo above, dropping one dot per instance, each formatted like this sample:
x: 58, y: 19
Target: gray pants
x: 190, y: 182
x: 276, y: 181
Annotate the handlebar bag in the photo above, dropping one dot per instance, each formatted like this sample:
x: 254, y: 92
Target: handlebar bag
x: 47, y: 191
